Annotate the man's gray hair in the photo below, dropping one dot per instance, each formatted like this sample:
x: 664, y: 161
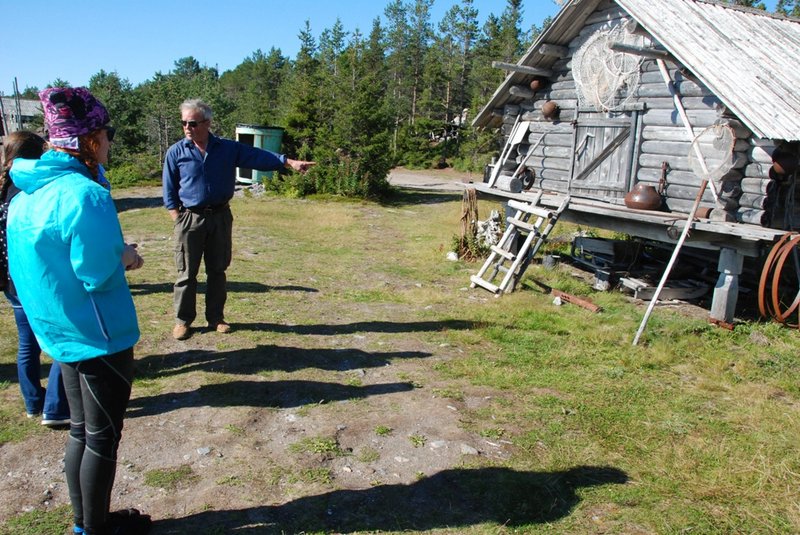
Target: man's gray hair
x: 195, y: 104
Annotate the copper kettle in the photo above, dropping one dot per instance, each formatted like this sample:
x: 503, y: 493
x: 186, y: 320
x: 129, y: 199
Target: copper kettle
x: 643, y: 197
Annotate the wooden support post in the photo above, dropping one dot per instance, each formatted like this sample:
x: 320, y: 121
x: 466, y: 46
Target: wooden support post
x: 726, y: 292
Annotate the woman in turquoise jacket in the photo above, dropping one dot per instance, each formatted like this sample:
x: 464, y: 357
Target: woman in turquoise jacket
x: 68, y: 261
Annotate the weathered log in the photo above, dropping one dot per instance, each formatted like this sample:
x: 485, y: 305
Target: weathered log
x: 758, y: 169
x: 668, y: 148
x: 685, y: 178
x: 508, y: 183
x: 548, y: 152
x: 654, y: 90
x: 652, y: 53
x: 553, y: 175
x: 524, y: 69
x: 758, y: 186
x: 681, y: 163
x: 753, y: 200
x: 560, y: 94
x: 552, y: 185
x: 537, y: 162
x: 521, y: 91
x: 563, y: 85
x: 541, y: 127
x: 552, y: 139
x: 689, y: 193
x: 761, y: 154
x: 684, y: 206
x: 691, y: 103
x: 558, y: 51
x: 613, y: 13
x: 752, y: 216
x: 698, y: 118
x: 678, y: 133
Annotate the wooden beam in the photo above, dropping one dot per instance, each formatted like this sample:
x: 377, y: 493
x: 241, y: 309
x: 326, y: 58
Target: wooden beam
x: 553, y: 50
x: 651, y: 53
x: 524, y: 69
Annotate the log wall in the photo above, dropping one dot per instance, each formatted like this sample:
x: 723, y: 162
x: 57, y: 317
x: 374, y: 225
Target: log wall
x: 747, y: 193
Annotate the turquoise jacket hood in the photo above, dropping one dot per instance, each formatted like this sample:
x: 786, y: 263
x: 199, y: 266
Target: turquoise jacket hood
x: 65, y: 256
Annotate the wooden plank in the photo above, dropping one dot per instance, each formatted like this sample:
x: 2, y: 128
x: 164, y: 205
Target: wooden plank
x: 477, y: 281
x: 521, y: 224
x: 508, y: 255
x: 533, y: 210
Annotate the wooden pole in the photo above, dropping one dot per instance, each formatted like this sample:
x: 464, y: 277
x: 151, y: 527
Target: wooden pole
x: 674, y: 257
x: 663, y: 68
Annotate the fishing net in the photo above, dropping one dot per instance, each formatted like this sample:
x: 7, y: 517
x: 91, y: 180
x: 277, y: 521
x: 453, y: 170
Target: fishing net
x: 606, y: 79
x: 711, y: 154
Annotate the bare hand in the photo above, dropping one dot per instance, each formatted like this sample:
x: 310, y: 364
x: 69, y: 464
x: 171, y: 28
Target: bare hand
x: 174, y: 213
x: 301, y: 166
x: 130, y: 257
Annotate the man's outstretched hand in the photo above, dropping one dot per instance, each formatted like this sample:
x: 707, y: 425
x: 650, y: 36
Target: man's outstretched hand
x: 301, y: 166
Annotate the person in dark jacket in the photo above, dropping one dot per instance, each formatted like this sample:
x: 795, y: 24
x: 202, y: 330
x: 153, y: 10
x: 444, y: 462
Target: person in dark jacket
x: 50, y: 403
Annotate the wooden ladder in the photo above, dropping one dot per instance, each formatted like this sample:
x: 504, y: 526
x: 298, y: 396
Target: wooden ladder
x: 532, y: 220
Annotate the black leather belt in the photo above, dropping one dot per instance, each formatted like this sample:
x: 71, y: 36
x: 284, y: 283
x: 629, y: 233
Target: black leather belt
x: 212, y: 209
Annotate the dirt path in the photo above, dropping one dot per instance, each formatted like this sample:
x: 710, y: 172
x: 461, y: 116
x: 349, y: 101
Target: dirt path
x: 284, y: 427
x: 440, y: 180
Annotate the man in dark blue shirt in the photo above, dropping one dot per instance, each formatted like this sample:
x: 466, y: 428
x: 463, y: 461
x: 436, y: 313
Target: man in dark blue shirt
x: 199, y: 178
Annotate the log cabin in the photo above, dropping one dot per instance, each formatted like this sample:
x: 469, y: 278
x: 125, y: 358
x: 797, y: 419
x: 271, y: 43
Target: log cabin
x: 693, y: 99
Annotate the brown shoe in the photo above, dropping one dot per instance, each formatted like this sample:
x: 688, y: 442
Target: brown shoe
x: 181, y: 332
x: 222, y: 327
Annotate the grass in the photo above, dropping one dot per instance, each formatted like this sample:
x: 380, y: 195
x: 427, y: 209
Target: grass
x: 170, y: 478
x: 699, y: 423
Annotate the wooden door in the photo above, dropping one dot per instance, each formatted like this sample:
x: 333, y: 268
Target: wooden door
x: 603, y: 155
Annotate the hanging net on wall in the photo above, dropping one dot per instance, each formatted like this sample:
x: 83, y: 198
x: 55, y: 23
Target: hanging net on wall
x: 606, y: 79
x: 713, y: 148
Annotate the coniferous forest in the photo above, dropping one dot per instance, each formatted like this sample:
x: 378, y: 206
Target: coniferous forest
x: 403, y: 94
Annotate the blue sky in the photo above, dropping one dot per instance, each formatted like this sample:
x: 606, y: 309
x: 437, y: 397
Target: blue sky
x: 43, y: 41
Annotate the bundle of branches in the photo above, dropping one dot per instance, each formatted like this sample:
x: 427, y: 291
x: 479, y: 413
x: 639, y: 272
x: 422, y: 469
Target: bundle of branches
x: 467, y: 244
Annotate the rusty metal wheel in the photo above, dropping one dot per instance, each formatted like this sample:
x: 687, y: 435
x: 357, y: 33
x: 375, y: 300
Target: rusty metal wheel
x: 779, y: 286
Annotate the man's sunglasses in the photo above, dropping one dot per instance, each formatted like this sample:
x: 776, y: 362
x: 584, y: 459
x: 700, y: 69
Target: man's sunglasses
x: 110, y: 131
x: 193, y: 124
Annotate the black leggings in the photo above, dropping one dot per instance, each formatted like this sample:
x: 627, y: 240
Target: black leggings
x: 98, y: 391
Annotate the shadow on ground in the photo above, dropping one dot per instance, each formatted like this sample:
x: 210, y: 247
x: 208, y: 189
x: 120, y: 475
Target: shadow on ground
x: 265, y: 358
x: 406, y: 197
x: 135, y: 203
x: 449, y: 499
x: 146, y: 288
x: 271, y: 394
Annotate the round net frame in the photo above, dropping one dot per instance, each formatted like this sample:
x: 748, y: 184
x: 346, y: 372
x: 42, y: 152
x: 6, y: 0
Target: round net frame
x: 713, y: 148
x: 606, y: 79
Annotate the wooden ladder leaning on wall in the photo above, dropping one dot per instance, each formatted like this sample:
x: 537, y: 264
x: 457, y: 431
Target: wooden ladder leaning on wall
x: 532, y: 220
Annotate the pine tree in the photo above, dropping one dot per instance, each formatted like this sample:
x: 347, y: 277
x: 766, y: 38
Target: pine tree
x: 301, y: 91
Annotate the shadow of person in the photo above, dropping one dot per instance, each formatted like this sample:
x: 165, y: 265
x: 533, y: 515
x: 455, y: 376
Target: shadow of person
x: 275, y: 394
x: 267, y: 358
x: 453, y: 499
